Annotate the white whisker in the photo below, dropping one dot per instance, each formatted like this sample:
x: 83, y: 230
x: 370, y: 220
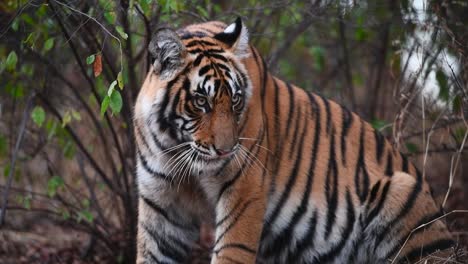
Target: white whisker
x: 168, y: 150
x: 252, y: 155
x: 253, y: 139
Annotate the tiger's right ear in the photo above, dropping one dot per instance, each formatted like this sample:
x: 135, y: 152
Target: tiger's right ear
x: 168, y: 53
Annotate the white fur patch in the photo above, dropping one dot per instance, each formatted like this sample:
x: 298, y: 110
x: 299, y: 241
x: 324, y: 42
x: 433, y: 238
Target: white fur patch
x: 242, y: 44
x: 230, y: 28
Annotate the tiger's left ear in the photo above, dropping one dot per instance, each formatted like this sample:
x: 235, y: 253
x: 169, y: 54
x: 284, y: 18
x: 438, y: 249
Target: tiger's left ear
x: 236, y: 36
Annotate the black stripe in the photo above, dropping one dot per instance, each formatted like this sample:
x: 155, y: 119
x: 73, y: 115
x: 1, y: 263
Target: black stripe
x: 199, y: 42
x: 155, y: 259
x: 379, y: 206
x: 278, y: 138
x: 164, y: 214
x: 228, y: 215
x: 157, y: 142
x: 350, y: 220
x: 198, y: 60
x: 405, y: 209
x: 203, y: 70
x: 219, y: 57
x: 440, y: 244
x: 328, y: 113
x: 142, y: 137
x: 164, y: 123
x: 389, y: 167
x: 306, y: 242
x: 331, y: 190
x: 373, y: 192
x: 234, y: 221
x: 189, y: 35
x: 166, y: 249
x: 404, y: 166
x: 291, y: 109
x: 236, y: 246
x: 206, y: 52
x: 361, y: 170
x: 148, y: 169
x: 347, y: 120
x: 293, y: 146
x: 379, y: 145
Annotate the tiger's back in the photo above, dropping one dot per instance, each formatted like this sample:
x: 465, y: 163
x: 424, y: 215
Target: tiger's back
x: 307, y: 182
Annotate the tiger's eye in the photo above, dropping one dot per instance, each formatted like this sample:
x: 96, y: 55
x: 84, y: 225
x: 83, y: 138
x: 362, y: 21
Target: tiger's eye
x: 200, y: 101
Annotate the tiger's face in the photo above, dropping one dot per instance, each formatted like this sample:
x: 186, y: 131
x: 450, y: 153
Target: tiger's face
x: 206, y: 87
x: 210, y: 109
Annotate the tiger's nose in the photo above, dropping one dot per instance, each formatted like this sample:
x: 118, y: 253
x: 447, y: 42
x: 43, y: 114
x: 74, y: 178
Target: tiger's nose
x: 225, y: 151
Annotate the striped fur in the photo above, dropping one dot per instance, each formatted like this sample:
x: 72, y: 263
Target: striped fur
x: 284, y: 175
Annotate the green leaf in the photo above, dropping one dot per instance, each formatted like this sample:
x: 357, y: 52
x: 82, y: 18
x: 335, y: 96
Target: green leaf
x: 144, y: 6
x: 116, y: 101
x: 27, y: 202
x: 121, y: 32
x: 11, y: 61
x: 120, y: 80
x: 202, y: 11
x: 318, y: 54
x: 90, y: 59
x: 69, y: 150
x: 65, y: 215
x: 378, y: 124
x: 110, y: 17
x: 459, y: 134
x: 53, y: 185
x: 457, y: 104
x: 105, y: 104
x: 3, y: 146
x: 411, y: 147
x: 66, y: 119
x: 76, y: 115
x: 6, y: 170
x: 15, y: 91
x: 15, y: 24
x: 361, y: 34
x: 38, y: 115
x: 86, y: 203
x: 49, y: 44
x: 111, y: 88
x: 444, y: 91
x: 51, y: 127
x: 86, y: 215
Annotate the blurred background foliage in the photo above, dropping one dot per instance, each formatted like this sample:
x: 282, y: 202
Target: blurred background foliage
x: 70, y: 72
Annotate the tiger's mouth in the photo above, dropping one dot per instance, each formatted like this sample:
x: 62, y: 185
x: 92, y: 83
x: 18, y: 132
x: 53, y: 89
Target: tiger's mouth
x: 214, y: 155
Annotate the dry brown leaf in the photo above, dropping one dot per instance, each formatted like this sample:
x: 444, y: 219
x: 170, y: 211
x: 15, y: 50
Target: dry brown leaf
x: 97, y: 65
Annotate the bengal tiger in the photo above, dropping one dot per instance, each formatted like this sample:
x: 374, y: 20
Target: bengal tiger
x: 284, y: 175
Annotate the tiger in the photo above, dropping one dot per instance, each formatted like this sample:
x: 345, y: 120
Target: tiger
x: 283, y: 175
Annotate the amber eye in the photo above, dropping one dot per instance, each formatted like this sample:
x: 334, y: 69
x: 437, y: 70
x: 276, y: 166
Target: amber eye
x: 200, y: 101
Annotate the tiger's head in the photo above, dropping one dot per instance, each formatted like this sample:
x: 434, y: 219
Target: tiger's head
x: 199, y: 88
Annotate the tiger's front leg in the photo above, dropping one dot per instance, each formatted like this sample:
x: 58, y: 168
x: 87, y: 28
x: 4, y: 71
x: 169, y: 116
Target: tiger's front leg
x: 239, y: 221
x: 167, y: 230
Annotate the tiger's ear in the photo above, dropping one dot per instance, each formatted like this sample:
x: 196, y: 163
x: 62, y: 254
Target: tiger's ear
x: 168, y: 53
x: 236, y: 36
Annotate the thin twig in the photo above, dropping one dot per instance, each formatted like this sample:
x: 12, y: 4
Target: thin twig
x: 422, y: 226
x: 22, y: 130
